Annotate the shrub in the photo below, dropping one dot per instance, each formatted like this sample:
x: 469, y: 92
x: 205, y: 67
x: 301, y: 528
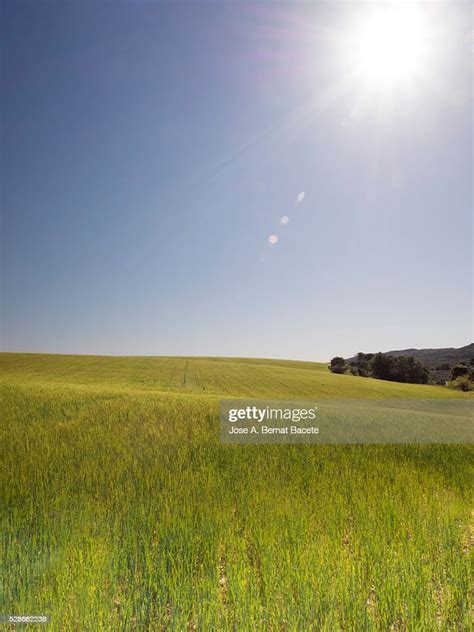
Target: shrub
x: 462, y: 383
x: 338, y: 365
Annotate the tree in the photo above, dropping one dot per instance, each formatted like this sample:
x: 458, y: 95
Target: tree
x: 338, y: 365
x: 458, y: 371
x: 362, y: 363
x: 400, y: 369
x: 408, y: 369
x: 382, y: 366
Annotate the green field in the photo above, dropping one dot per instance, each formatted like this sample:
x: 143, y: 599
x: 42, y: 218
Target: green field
x: 121, y: 510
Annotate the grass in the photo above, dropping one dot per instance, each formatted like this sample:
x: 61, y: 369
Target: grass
x: 121, y: 510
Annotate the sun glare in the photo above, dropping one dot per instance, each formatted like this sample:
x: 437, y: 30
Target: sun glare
x: 390, y: 44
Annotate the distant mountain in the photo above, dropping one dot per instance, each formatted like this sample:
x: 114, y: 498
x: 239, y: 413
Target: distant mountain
x: 437, y: 360
x: 434, y: 357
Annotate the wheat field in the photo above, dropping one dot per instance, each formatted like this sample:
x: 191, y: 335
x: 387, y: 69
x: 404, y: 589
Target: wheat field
x: 121, y: 509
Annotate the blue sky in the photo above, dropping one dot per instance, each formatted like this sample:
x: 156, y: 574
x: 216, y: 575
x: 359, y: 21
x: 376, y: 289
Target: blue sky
x: 150, y: 150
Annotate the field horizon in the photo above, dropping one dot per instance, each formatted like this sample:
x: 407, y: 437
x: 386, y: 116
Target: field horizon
x: 140, y: 371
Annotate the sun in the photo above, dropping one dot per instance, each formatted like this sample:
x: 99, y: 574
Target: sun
x: 389, y: 44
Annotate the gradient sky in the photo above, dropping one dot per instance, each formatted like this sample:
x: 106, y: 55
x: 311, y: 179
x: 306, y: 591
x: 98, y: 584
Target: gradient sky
x: 150, y: 150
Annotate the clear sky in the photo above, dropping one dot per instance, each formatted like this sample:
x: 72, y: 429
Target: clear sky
x: 150, y: 151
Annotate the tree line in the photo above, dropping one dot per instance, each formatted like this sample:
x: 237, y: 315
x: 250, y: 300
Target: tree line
x: 400, y: 369
x: 383, y: 367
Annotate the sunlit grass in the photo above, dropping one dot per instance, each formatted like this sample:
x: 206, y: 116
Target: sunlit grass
x: 121, y: 509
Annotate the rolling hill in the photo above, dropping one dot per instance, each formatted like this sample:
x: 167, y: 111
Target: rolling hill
x: 434, y: 357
